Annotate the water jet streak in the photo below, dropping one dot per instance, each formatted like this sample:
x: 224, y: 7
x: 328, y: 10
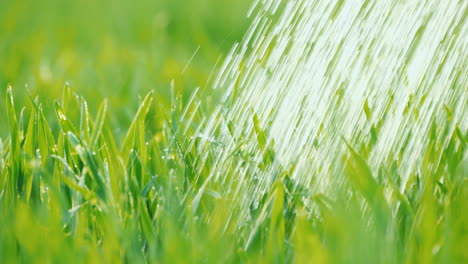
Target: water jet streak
x: 380, y: 75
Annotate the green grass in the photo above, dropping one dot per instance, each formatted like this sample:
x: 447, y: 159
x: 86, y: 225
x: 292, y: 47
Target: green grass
x: 80, y: 194
x: 111, y: 171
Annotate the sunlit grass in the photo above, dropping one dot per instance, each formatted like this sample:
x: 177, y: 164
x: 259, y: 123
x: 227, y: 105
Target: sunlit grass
x: 130, y: 162
x: 81, y: 195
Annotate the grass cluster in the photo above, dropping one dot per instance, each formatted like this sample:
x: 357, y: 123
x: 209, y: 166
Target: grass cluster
x: 78, y: 193
x: 126, y: 179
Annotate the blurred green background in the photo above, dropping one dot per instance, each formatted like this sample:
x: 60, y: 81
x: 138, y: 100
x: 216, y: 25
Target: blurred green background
x: 118, y: 49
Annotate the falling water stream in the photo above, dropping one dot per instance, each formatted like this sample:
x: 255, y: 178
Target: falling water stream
x: 311, y: 75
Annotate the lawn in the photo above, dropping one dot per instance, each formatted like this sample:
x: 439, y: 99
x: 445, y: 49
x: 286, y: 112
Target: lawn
x: 120, y: 144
